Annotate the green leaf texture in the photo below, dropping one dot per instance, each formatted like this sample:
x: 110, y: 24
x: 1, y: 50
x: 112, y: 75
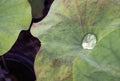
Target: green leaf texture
x: 102, y: 64
x: 62, y: 57
x: 14, y: 16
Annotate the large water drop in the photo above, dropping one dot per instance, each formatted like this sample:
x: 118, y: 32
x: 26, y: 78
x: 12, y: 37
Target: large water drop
x: 89, y: 41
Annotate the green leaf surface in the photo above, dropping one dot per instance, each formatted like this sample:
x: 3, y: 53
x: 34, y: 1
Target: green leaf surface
x: 62, y: 33
x: 14, y: 16
x: 102, y: 64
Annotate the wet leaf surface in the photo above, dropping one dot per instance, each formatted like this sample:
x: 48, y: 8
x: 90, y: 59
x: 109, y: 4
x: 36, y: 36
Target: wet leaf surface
x: 62, y: 33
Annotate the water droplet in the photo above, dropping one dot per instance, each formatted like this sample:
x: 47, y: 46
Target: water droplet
x: 89, y: 41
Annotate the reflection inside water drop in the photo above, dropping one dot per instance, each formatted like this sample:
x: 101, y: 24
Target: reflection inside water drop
x: 89, y: 41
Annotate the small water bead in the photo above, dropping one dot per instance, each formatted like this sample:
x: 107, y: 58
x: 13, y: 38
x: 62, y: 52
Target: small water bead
x: 89, y: 41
